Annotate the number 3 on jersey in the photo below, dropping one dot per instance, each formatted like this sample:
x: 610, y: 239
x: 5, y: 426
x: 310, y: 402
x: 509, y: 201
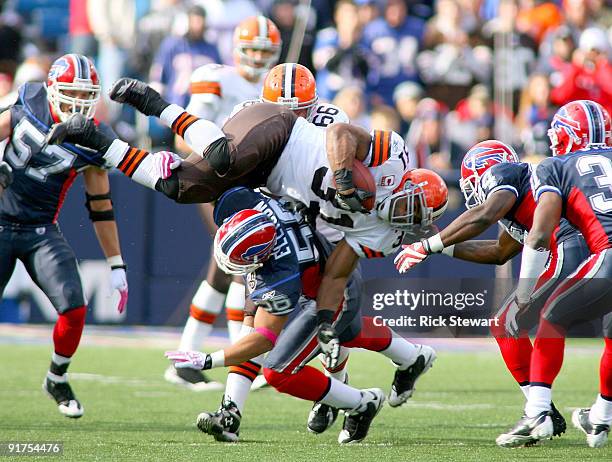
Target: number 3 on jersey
x: 26, y: 141
x: 585, y: 165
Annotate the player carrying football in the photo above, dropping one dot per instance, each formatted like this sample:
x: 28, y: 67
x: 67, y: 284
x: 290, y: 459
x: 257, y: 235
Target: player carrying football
x: 575, y: 184
x: 29, y: 207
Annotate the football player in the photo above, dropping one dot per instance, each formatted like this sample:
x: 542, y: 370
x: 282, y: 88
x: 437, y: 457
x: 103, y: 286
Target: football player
x: 29, y: 207
x: 497, y: 188
x: 575, y: 185
x: 281, y: 259
x: 215, y: 90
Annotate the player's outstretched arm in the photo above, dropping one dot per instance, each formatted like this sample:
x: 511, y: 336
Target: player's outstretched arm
x: 487, y: 252
x: 468, y: 225
x: 537, y: 245
x: 100, y: 207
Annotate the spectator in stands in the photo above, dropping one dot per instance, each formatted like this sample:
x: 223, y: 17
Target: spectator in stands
x: 556, y: 54
x: 82, y: 39
x: 179, y: 56
x: 352, y: 100
x: 516, y: 52
x: 426, y: 140
x: 535, y: 114
x: 11, y: 40
x: 340, y: 57
x: 536, y: 17
x: 406, y: 98
x: 395, y: 40
x: 384, y: 117
x: 470, y: 123
x: 453, y: 61
x: 589, y: 76
x: 369, y: 10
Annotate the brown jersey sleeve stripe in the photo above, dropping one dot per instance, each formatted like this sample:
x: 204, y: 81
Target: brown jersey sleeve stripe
x: 127, y: 158
x: 138, y: 158
x: 381, y: 147
x: 213, y: 88
x: 179, y: 120
x: 187, y: 122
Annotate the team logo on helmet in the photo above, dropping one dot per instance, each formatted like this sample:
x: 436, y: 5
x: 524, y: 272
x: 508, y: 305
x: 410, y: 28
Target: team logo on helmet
x: 570, y: 125
x: 482, y: 156
x: 58, y: 68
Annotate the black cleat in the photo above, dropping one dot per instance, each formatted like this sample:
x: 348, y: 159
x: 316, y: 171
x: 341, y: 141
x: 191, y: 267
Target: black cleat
x: 63, y: 395
x: 527, y: 431
x: 357, y: 421
x: 559, y: 424
x: 139, y: 95
x: 223, y: 425
x: 192, y: 379
x: 404, y: 381
x: 321, y: 417
x: 596, y: 434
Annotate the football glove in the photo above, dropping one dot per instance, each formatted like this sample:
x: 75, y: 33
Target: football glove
x: 328, y: 339
x: 81, y: 130
x: 164, y: 162
x: 6, y: 175
x: 140, y: 95
x: 353, y: 202
x: 410, y: 256
x: 190, y: 359
x: 118, y: 281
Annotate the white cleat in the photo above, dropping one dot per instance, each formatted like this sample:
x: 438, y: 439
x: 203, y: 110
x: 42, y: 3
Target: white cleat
x: 404, y: 381
x: 357, y: 421
x: 62, y: 394
x: 191, y: 379
x: 596, y: 434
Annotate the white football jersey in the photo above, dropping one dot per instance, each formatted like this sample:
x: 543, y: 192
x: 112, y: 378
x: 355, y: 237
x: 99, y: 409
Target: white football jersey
x: 302, y: 173
x: 216, y: 89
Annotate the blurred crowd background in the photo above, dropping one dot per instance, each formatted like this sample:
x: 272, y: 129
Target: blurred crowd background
x: 443, y: 73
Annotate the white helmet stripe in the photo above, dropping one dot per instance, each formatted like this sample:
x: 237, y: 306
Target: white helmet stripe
x: 262, y: 25
x: 288, y: 80
x: 77, y: 65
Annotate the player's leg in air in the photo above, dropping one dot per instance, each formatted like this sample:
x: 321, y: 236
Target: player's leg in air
x: 53, y: 267
x: 512, y: 331
x: 217, y: 290
x: 582, y: 296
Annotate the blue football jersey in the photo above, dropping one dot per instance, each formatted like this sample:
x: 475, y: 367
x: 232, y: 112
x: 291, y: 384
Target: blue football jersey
x: 295, y: 267
x: 584, y: 180
x: 42, y: 174
x: 516, y: 178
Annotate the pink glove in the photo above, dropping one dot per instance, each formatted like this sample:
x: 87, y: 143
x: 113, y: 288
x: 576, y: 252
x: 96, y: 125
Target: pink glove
x: 189, y: 359
x: 165, y: 162
x: 119, y: 282
x: 411, y: 255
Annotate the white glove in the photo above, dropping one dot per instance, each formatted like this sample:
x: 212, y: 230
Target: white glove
x: 190, y: 359
x: 411, y: 255
x: 164, y: 162
x: 118, y: 281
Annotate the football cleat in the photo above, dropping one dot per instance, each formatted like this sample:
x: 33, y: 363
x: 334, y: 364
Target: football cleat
x: 192, y: 379
x: 596, y: 434
x: 223, y: 425
x: 63, y: 395
x: 404, y: 380
x: 357, y: 421
x: 139, y: 95
x: 259, y: 383
x: 559, y: 425
x: 321, y: 417
x: 527, y: 431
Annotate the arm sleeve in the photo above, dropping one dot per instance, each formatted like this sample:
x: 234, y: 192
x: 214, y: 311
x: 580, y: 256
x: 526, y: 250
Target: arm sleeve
x: 546, y: 178
x: 500, y: 177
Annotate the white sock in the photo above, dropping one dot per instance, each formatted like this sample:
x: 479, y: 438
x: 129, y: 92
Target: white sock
x: 538, y: 401
x: 525, y: 390
x: 342, y: 396
x: 199, y: 135
x: 207, y: 303
x: 601, y: 411
x: 235, y: 301
x: 401, y: 351
x: 59, y: 359
x: 237, y: 389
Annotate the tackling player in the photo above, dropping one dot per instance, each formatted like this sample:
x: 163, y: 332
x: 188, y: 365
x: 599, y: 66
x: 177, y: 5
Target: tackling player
x: 575, y: 186
x: 282, y: 260
x: 29, y: 207
x: 215, y: 90
x: 497, y: 188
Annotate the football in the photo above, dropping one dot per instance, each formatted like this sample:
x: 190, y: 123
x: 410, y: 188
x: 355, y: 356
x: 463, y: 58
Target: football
x: 363, y: 179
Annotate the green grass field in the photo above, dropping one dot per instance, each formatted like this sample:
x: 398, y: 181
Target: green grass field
x: 133, y: 414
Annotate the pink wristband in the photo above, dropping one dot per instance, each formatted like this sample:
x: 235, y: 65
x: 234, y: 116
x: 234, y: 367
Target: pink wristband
x: 267, y: 333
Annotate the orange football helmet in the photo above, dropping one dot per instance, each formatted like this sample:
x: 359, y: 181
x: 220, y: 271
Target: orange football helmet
x: 291, y: 85
x: 420, y: 188
x: 256, y: 33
